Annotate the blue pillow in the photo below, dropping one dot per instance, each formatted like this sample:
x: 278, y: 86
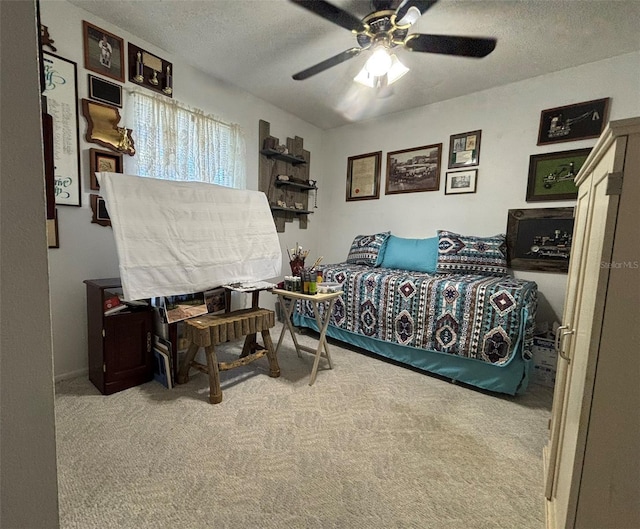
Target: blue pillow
x: 419, y: 255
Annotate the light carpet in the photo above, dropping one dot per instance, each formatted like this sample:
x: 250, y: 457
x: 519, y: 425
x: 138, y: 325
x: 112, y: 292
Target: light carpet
x: 370, y: 445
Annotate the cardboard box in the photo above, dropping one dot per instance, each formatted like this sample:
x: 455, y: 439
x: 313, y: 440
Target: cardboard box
x: 543, y: 376
x: 545, y: 361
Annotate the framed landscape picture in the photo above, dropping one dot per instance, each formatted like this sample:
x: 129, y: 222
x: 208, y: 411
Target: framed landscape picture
x: 573, y: 122
x: 460, y: 182
x: 412, y: 170
x: 464, y: 149
x: 552, y: 175
x: 539, y: 239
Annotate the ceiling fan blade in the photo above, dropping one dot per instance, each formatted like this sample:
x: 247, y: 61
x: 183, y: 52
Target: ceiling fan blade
x: 325, y: 65
x: 332, y: 13
x: 449, y: 45
x: 422, y: 5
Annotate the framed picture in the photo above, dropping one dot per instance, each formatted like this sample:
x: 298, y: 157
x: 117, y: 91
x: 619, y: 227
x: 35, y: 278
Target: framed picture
x: 552, y: 175
x: 460, y: 182
x: 53, y: 239
x: 412, y: 170
x: 103, y: 52
x: 182, y: 307
x: 539, y: 239
x: 150, y: 71
x: 464, y: 149
x: 105, y: 91
x: 363, y: 176
x: 99, y: 211
x: 216, y: 300
x: 103, y: 161
x: 61, y: 91
x: 573, y: 122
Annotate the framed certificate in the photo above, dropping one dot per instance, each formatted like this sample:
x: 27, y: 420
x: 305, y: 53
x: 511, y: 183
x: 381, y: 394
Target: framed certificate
x: 363, y: 176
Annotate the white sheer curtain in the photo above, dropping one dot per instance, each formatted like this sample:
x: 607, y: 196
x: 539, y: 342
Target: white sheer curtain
x: 175, y: 142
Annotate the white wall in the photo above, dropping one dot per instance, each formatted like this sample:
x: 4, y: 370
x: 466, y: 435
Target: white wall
x: 508, y: 117
x: 28, y: 480
x: 87, y: 251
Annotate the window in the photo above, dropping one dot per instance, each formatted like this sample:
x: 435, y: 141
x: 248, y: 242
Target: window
x: 174, y: 142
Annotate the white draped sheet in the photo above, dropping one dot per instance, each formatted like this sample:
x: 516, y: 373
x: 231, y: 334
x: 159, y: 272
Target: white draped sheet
x: 185, y: 237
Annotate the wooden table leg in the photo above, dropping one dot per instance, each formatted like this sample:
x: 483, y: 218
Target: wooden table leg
x: 183, y: 375
x: 322, y: 340
x: 289, y: 305
x: 215, y: 392
x: 274, y: 368
x: 249, y: 346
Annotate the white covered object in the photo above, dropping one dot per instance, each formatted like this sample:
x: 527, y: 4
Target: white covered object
x: 184, y: 237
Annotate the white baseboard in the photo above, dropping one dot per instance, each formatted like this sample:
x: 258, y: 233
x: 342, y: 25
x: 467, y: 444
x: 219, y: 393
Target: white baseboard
x: 72, y: 374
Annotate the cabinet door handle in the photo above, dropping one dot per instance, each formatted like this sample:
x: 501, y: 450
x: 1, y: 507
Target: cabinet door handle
x: 556, y: 342
x: 560, y: 341
x: 148, y: 342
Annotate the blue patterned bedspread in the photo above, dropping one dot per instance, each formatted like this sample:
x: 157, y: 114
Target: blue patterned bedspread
x: 487, y: 318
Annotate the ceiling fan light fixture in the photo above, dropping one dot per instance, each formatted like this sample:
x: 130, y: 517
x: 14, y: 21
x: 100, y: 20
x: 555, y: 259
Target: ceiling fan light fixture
x: 410, y: 17
x: 379, y: 63
x: 395, y: 72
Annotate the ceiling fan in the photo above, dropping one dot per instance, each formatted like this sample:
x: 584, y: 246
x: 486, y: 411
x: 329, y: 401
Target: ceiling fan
x: 385, y: 28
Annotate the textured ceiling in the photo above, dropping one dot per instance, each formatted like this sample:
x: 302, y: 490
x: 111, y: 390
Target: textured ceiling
x: 257, y: 45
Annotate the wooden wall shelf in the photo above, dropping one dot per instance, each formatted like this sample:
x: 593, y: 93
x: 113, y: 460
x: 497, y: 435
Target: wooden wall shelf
x: 293, y: 160
x: 285, y: 183
x: 295, y: 164
x: 291, y: 210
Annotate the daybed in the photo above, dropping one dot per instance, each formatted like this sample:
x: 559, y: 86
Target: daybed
x: 444, y: 305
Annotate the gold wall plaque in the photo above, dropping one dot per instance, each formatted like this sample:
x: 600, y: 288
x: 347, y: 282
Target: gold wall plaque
x: 103, y: 129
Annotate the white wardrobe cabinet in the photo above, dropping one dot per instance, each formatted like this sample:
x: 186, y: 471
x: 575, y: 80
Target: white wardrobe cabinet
x: 592, y: 461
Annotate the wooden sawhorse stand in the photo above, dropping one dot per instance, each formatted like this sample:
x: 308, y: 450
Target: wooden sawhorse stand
x: 211, y: 330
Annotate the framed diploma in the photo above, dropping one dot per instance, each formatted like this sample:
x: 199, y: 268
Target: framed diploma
x: 363, y: 176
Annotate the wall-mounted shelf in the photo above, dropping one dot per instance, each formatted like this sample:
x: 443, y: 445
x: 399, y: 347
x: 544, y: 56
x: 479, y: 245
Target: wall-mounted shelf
x: 293, y: 160
x: 295, y: 165
x: 285, y: 183
x: 291, y: 210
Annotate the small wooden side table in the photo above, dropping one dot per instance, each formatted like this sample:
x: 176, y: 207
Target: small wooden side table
x: 288, y: 301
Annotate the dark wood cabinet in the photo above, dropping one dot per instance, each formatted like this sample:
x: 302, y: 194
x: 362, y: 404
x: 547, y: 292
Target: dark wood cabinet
x: 120, y: 344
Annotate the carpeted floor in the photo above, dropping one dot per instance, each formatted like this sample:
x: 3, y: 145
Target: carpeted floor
x: 370, y: 445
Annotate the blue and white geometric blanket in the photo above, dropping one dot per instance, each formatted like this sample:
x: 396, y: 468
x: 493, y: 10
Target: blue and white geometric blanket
x: 486, y: 318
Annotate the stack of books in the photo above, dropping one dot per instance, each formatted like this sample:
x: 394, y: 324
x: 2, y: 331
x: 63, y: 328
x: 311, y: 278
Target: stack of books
x: 114, y: 302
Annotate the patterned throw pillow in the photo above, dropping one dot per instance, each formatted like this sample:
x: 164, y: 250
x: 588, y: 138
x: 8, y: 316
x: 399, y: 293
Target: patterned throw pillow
x: 461, y: 254
x: 368, y: 249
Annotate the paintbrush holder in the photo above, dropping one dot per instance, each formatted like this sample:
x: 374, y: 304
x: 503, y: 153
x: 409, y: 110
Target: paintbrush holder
x: 297, y: 265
